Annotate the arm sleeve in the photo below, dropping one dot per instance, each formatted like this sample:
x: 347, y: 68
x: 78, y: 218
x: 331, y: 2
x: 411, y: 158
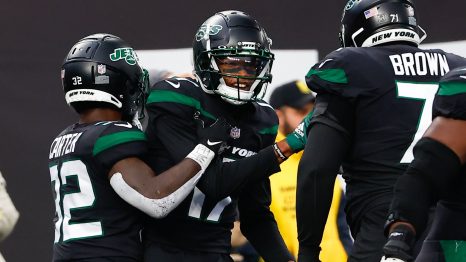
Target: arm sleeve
x: 319, y: 165
x: 156, y: 208
x: 258, y: 223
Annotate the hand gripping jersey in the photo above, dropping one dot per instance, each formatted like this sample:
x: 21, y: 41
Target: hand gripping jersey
x: 91, y: 220
x: 386, y: 93
x: 200, y: 222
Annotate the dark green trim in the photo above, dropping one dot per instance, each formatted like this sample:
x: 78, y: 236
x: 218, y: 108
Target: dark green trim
x: 165, y: 96
x: 269, y: 130
x: 108, y: 141
x: 451, y: 88
x: 337, y: 76
x: 453, y: 250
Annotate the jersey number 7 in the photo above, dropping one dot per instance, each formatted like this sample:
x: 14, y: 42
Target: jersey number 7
x: 426, y: 93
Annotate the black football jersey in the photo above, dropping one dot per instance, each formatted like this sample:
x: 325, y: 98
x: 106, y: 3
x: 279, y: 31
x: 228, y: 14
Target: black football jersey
x: 91, y: 220
x: 201, y: 223
x: 450, y: 100
x: 390, y: 90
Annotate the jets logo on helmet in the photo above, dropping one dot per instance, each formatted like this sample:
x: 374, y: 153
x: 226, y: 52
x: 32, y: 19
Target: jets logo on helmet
x: 127, y: 54
x: 212, y: 29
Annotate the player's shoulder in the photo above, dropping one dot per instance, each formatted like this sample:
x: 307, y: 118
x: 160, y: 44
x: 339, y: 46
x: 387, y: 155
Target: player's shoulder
x: 174, y: 89
x: 117, y: 127
x: 331, y: 73
x: 266, y: 119
x: 450, y: 100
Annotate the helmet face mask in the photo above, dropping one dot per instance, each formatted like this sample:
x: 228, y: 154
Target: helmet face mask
x: 233, y: 60
x: 368, y: 23
x: 101, y: 70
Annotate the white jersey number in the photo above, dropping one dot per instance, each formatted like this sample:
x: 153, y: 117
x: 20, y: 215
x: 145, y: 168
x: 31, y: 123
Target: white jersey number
x: 196, y: 206
x: 80, y: 198
x: 426, y: 93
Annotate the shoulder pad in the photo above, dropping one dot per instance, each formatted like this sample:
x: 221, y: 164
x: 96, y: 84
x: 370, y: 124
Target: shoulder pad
x: 450, y: 100
x: 329, y: 75
x: 164, y: 91
x: 116, y: 133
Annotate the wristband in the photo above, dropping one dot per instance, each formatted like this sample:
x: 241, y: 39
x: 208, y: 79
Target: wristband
x: 201, y: 155
x: 279, y: 152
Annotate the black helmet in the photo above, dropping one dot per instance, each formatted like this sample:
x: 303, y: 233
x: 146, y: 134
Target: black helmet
x: 102, y: 70
x: 373, y: 22
x: 233, y: 37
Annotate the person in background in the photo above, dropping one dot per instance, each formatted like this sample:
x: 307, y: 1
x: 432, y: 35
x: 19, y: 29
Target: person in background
x: 292, y: 102
x: 8, y: 213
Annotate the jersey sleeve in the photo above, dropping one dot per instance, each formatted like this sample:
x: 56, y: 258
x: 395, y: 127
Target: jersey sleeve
x: 329, y: 75
x: 118, y: 141
x: 450, y: 100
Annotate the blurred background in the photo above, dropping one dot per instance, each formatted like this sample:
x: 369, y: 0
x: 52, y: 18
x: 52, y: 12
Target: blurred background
x: 36, y: 36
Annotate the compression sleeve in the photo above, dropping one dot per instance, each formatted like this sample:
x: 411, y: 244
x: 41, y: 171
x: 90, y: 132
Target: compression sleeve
x: 258, y: 223
x: 157, y: 208
x: 318, y: 167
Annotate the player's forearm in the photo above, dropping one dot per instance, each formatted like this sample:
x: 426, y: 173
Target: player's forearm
x: 282, y: 150
x: 264, y: 235
x: 222, y: 179
x: 317, y: 170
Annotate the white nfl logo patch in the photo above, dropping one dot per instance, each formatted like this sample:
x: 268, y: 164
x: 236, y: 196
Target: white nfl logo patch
x: 101, y: 69
x: 235, y: 132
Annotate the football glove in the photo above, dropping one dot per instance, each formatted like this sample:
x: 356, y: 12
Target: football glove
x: 214, y: 136
x: 298, y: 138
x: 399, y: 245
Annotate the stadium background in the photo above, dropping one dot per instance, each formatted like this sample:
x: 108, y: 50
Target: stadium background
x: 36, y: 35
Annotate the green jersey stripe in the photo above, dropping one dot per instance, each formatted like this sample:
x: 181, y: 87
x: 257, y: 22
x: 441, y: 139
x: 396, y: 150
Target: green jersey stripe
x: 269, y: 131
x: 165, y: 96
x: 337, y: 76
x: 108, y: 141
x: 451, y: 88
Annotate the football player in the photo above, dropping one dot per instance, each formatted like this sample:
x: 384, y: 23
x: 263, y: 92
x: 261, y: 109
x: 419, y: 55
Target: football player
x: 232, y: 63
x: 374, y: 100
x: 437, y: 173
x: 97, y: 177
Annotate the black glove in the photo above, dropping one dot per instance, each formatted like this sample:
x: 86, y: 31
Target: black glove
x: 215, y: 136
x: 399, y: 245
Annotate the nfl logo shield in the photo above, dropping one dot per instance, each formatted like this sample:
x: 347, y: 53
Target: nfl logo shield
x: 101, y: 69
x: 235, y: 132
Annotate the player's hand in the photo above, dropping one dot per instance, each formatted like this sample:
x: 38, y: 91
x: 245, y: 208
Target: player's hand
x: 298, y: 138
x: 214, y: 136
x: 399, y: 245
